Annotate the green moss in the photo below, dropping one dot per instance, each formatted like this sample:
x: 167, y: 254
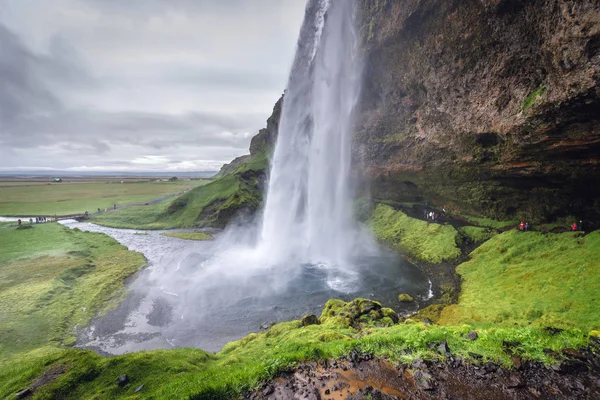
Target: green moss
x: 477, y: 234
x: 529, y: 101
x: 405, y: 298
x: 527, y: 278
x: 418, y: 239
x: 189, y: 235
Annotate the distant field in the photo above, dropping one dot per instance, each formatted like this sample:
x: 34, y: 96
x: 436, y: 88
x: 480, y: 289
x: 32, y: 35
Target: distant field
x: 18, y: 198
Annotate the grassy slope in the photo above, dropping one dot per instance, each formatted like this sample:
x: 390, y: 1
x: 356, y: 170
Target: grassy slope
x: 530, y: 278
x: 72, y: 198
x: 476, y: 233
x: 214, y: 204
x: 52, y: 279
x: 418, y: 239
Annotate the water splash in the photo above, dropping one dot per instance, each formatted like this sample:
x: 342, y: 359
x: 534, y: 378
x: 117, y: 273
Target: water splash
x: 308, y: 211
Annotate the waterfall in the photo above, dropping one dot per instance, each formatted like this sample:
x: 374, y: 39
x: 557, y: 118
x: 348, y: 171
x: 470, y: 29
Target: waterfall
x: 308, y: 210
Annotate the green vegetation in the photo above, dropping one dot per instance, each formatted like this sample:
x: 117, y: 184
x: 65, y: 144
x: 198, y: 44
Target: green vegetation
x: 477, y: 234
x: 418, y: 239
x: 405, y: 298
x: 74, y: 198
x: 53, y: 278
x: 523, y: 278
x: 242, y: 365
x: 143, y: 217
x: 491, y: 223
x: 532, y: 97
x: 515, y: 285
x: 214, y: 204
x: 189, y: 235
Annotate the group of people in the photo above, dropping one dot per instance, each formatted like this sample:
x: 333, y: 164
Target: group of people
x: 38, y: 220
x: 577, y: 227
x: 432, y: 215
x: 524, y: 226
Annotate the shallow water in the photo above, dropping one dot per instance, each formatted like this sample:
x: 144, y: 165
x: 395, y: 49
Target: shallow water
x: 181, y: 300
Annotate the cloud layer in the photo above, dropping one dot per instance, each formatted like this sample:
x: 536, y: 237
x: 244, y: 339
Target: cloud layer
x: 142, y: 85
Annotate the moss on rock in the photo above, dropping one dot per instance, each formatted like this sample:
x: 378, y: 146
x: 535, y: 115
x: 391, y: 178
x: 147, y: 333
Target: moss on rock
x: 405, y: 298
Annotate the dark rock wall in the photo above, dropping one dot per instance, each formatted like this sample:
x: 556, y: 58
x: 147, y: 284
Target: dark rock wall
x: 488, y: 107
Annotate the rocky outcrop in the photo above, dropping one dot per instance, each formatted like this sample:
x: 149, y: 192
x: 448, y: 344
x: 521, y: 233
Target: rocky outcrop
x: 261, y: 144
x: 236, y: 191
x: 489, y: 107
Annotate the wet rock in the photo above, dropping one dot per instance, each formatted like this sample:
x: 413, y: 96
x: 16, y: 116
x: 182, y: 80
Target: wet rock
x: 21, y: 394
x: 552, y: 331
x: 443, y: 348
x: 405, y: 298
x: 138, y: 389
x: 472, y: 335
x: 310, y: 319
x: 123, y: 380
x: 514, y: 381
x: 427, y: 321
x: 419, y: 364
x: 516, y: 362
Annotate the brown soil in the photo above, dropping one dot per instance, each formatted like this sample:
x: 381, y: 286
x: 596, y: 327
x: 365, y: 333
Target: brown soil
x: 360, y: 377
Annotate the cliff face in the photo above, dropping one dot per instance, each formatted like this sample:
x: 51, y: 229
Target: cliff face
x: 488, y: 107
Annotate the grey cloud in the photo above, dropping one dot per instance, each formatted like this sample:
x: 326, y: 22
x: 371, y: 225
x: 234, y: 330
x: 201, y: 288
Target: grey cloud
x: 96, y: 88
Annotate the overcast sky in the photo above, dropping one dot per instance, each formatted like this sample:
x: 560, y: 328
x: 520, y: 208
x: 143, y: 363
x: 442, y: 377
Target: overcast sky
x: 173, y: 85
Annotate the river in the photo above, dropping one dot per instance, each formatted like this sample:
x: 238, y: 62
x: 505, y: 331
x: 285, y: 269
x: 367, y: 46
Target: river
x: 179, y: 300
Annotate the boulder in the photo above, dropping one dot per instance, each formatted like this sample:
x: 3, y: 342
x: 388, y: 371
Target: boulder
x: 405, y: 298
x: 472, y: 335
x: 310, y: 319
x: 21, y: 394
x: 123, y: 380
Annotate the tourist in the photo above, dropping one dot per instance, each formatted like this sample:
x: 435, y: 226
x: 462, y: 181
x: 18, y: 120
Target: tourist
x: 574, y: 226
x: 581, y: 226
x: 115, y: 207
x: 522, y: 226
x: 526, y: 226
x: 19, y: 221
x: 31, y: 220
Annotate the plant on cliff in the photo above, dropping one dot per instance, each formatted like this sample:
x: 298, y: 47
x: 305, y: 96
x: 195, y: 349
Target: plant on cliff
x: 529, y: 101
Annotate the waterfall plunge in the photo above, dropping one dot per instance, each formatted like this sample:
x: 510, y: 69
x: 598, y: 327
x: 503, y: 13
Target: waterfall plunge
x: 308, y: 211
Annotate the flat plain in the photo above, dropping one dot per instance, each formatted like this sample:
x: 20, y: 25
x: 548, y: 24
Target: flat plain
x: 33, y: 197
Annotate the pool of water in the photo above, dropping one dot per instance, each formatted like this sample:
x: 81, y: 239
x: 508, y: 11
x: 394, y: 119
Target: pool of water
x: 186, y: 298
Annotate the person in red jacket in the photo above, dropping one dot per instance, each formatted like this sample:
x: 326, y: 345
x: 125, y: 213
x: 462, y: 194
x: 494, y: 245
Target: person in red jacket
x: 522, y: 226
x: 574, y: 227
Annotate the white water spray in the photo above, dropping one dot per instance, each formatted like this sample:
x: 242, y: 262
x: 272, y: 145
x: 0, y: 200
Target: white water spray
x: 308, y: 213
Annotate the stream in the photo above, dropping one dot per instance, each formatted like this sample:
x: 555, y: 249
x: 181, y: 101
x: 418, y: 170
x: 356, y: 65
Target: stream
x: 179, y: 300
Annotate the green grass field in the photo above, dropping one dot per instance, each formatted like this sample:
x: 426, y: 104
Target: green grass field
x: 53, y: 278
x: 73, y: 198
